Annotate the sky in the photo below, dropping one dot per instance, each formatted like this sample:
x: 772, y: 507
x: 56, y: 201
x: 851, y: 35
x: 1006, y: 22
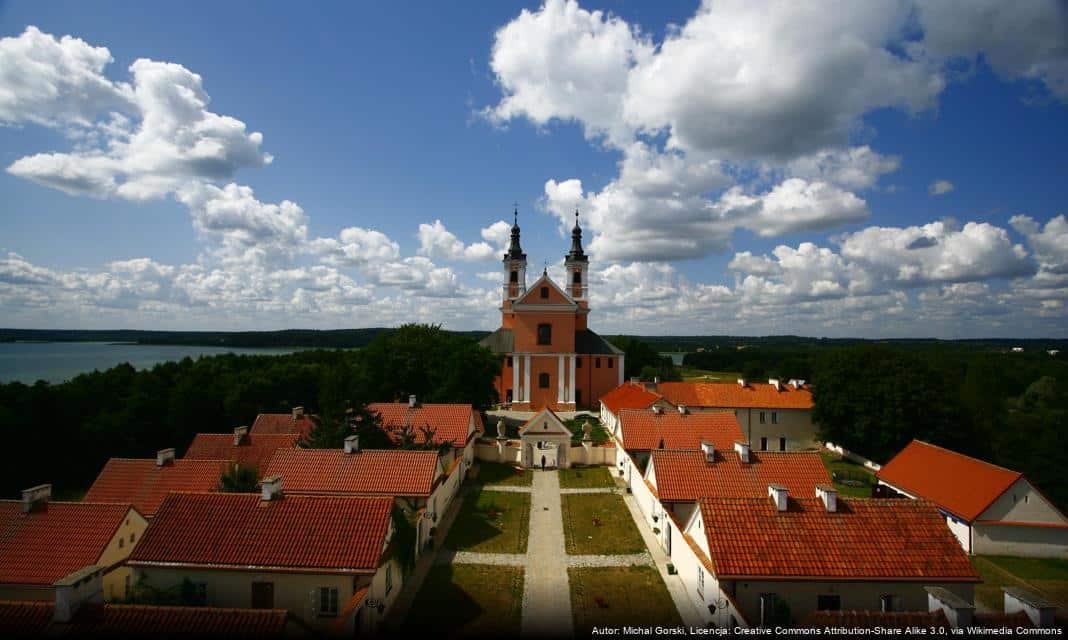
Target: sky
x: 892, y: 169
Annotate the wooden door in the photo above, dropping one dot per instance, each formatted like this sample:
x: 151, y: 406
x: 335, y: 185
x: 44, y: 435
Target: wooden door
x: 263, y: 595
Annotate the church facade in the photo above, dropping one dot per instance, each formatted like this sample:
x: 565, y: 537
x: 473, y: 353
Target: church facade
x: 549, y: 356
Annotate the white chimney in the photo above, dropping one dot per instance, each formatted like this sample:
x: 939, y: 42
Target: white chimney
x: 682, y: 409
x: 635, y: 380
x: 741, y: 382
x: 239, y: 435
x: 957, y: 610
x: 298, y: 413
x: 165, y: 456
x: 656, y: 379
x: 777, y: 492
x: 709, y: 450
x: 411, y: 401
x: 829, y: 496
x: 742, y: 448
x: 657, y: 410
x: 35, y: 497
x: 271, y: 488
x: 352, y: 444
x: 84, y: 585
x: 775, y: 383
x: 1039, y: 610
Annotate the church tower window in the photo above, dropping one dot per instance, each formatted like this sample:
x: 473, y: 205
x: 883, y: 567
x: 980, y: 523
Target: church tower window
x: 545, y: 293
x: 545, y: 334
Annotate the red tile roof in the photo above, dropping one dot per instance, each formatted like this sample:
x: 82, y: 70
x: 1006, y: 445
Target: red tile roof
x: 35, y: 618
x: 955, y: 482
x: 645, y: 430
x: 876, y: 619
x: 292, y: 533
x: 255, y: 449
x: 864, y: 539
x: 756, y: 395
x: 275, y: 423
x: 142, y: 483
x: 686, y: 476
x: 54, y: 540
x: 369, y: 472
x: 628, y: 396
x: 449, y: 421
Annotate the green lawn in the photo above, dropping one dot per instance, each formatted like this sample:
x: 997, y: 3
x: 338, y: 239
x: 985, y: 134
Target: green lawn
x: 468, y: 600
x: 850, y: 478
x: 491, y: 522
x: 506, y: 474
x: 691, y: 374
x: 599, y: 524
x: 598, y: 434
x: 618, y: 596
x: 586, y: 478
x: 1048, y: 576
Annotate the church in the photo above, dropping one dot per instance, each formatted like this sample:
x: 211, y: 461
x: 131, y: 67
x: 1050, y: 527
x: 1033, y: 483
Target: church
x: 549, y: 357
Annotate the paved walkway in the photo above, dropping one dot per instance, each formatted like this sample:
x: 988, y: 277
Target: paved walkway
x: 547, y: 595
x: 611, y: 561
x: 506, y: 488
x: 590, y: 490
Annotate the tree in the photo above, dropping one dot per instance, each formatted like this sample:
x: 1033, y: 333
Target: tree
x: 642, y: 360
x: 239, y: 479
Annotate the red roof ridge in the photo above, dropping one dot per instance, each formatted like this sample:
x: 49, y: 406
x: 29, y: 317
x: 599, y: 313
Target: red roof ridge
x: 958, y: 453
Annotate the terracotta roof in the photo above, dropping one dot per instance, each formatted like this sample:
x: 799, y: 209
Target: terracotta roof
x: 34, y: 618
x: 268, y: 423
x: 54, y: 540
x: 628, y: 396
x: 863, y: 539
x: 757, y: 395
x: 876, y: 619
x: 142, y: 483
x: 369, y: 472
x: 255, y: 449
x: 239, y: 531
x: 449, y: 421
x: 686, y: 476
x: 955, y: 482
x: 644, y: 430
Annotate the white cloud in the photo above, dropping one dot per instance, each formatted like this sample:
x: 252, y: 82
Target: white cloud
x: 436, y: 241
x: 1050, y: 243
x: 498, y: 234
x: 855, y: 168
x: 940, y: 187
x: 355, y: 246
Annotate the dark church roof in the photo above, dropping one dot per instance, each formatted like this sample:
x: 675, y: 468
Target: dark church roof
x: 586, y: 342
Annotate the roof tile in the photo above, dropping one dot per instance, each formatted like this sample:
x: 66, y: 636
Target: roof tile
x: 268, y: 423
x: 646, y: 430
x: 368, y: 472
x: 756, y: 395
x: 686, y: 476
x: 35, y: 618
x: 449, y: 421
x: 628, y: 396
x: 144, y: 484
x: 255, y: 449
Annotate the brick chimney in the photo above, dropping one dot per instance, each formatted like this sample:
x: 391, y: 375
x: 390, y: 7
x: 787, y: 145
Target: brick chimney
x: 240, y: 434
x: 1039, y: 610
x: 777, y: 493
x: 352, y: 444
x: 743, y: 450
x: 298, y: 413
x: 412, y: 401
x: 36, y: 497
x: 957, y: 610
x: 165, y: 457
x: 829, y: 496
x: 84, y: 585
x: 271, y: 488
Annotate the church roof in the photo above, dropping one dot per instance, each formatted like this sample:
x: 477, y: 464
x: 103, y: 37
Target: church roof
x: 500, y: 341
x: 586, y: 342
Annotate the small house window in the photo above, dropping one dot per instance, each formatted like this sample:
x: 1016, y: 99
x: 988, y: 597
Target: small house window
x: 763, y: 444
x: 126, y: 586
x: 1027, y: 498
x: 890, y: 602
x: 763, y: 417
x: 782, y: 444
x: 596, y: 363
x: 122, y: 543
x: 200, y: 594
x: 829, y: 602
x: 545, y: 293
x: 611, y: 363
x: 545, y: 334
x: 543, y: 381
x: 774, y: 417
x: 133, y: 536
x: 328, y: 601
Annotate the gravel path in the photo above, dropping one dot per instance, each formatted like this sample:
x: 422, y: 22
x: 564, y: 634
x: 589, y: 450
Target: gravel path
x: 590, y: 490
x: 611, y: 561
x: 506, y: 488
x: 547, y: 596
x: 470, y: 557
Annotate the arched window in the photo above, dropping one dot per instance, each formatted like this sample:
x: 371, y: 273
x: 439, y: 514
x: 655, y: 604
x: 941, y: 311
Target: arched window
x: 543, y: 381
x: 577, y: 278
x: 513, y: 277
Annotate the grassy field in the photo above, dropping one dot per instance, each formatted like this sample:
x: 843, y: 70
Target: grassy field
x: 618, y: 596
x: 599, y: 524
x: 598, y: 434
x: 586, y: 478
x: 491, y: 522
x: 506, y: 474
x: 691, y: 374
x: 468, y: 600
x: 844, y: 471
x: 1048, y: 576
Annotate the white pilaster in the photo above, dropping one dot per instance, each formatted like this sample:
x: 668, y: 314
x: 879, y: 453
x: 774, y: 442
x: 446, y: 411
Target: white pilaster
x: 571, y: 381
x: 560, y: 379
x: 515, y: 378
x: 526, y: 378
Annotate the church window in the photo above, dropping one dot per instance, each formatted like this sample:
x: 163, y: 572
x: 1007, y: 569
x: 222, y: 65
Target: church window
x: 545, y: 293
x: 513, y: 277
x: 545, y: 334
x: 543, y: 381
x: 576, y: 278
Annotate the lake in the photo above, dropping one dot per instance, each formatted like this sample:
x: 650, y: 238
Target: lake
x: 676, y: 356
x: 29, y: 362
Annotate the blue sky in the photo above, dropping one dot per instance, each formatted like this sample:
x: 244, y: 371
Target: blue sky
x: 694, y: 148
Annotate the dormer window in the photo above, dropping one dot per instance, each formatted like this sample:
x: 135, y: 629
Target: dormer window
x: 545, y: 293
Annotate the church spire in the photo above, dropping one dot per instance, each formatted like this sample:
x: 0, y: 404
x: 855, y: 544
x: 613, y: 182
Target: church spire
x: 515, y: 252
x: 576, y: 253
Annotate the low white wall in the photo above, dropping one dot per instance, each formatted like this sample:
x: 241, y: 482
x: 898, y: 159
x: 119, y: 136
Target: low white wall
x: 511, y: 453
x: 852, y: 457
x: 1015, y: 540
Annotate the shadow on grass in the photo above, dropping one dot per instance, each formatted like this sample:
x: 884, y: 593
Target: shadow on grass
x: 468, y: 601
x: 497, y: 473
x: 491, y: 522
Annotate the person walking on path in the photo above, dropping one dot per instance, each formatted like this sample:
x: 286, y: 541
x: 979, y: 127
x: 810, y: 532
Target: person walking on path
x: 543, y: 463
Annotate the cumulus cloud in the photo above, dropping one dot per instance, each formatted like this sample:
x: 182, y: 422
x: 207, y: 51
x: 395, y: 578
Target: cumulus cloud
x: 436, y: 241
x: 355, y: 246
x: 855, y: 168
x: 1050, y: 243
x: 940, y: 187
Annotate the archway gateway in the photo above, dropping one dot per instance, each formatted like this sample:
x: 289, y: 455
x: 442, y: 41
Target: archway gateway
x: 545, y: 435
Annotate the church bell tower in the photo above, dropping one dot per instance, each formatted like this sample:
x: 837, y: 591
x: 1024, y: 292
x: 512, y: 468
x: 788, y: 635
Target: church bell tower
x: 576, y: 266
x: 515, y: 266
